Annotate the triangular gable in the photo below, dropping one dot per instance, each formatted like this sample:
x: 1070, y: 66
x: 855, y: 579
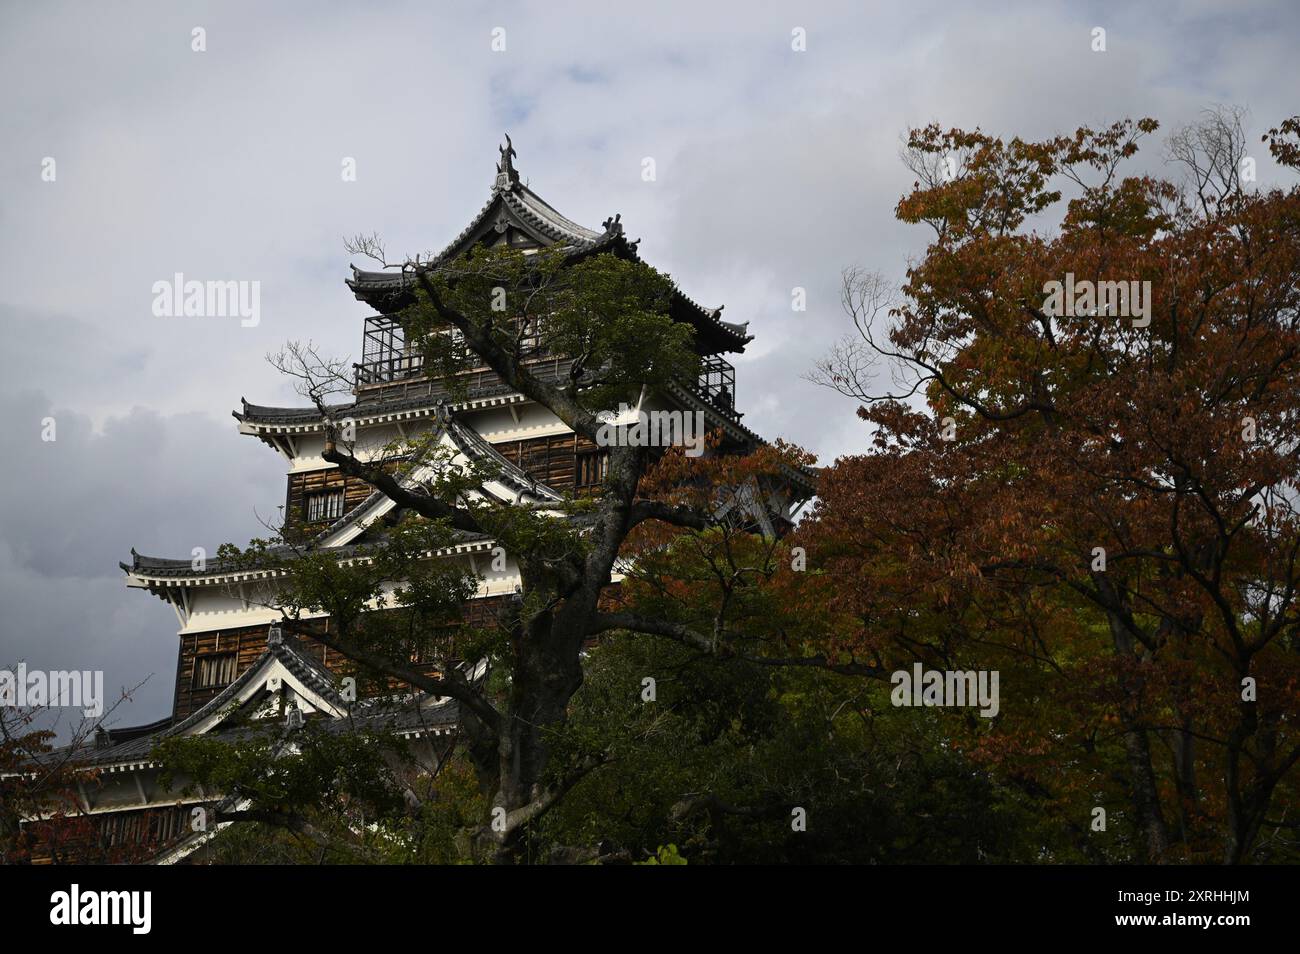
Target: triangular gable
x: 515, y: 216
x: 748, y: 500
x: 519, y: 219
x: 512, y: 485
x: 281, y: 671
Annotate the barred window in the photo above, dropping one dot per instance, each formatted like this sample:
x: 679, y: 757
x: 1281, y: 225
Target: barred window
x: 592, y: 469
x: 327, y: 505
x: 150, y: 826
x: 214, y: 669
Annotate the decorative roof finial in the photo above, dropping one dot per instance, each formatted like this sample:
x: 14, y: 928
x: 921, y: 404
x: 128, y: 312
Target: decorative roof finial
x: 613, y: 226
x: 507, y: 177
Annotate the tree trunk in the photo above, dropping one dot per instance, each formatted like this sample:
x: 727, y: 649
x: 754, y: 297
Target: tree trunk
x: 1144, y: 792
x: 546, y: 672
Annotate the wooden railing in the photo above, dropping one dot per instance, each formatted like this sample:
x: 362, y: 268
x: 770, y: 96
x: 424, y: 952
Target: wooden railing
x: 475, y: 382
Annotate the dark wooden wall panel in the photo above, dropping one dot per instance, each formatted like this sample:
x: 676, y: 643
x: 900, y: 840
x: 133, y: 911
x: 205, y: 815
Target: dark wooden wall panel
x: 355, y: 490
x: 551, y: 460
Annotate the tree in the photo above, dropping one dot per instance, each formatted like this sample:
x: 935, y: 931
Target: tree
x: 1099, y: 494
x: 42, y: 813
x: 609, y: 317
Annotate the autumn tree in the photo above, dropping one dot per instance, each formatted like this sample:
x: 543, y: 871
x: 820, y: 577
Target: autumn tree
x: 43, y: 817
x: 1084, y: 473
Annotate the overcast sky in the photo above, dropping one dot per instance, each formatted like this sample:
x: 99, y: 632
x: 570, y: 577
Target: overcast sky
x: 775, y: 169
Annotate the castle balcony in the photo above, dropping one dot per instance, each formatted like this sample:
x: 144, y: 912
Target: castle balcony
x: 717, y: 384
x: 390, y: 367
x: 385, y: 356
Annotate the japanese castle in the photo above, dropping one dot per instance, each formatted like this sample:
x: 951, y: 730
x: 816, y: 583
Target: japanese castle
x: 234, y: 662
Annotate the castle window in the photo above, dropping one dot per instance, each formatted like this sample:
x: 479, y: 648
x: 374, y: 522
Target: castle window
x: 592, y: 469
x: 327, y: 505
x: 214, y: 669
